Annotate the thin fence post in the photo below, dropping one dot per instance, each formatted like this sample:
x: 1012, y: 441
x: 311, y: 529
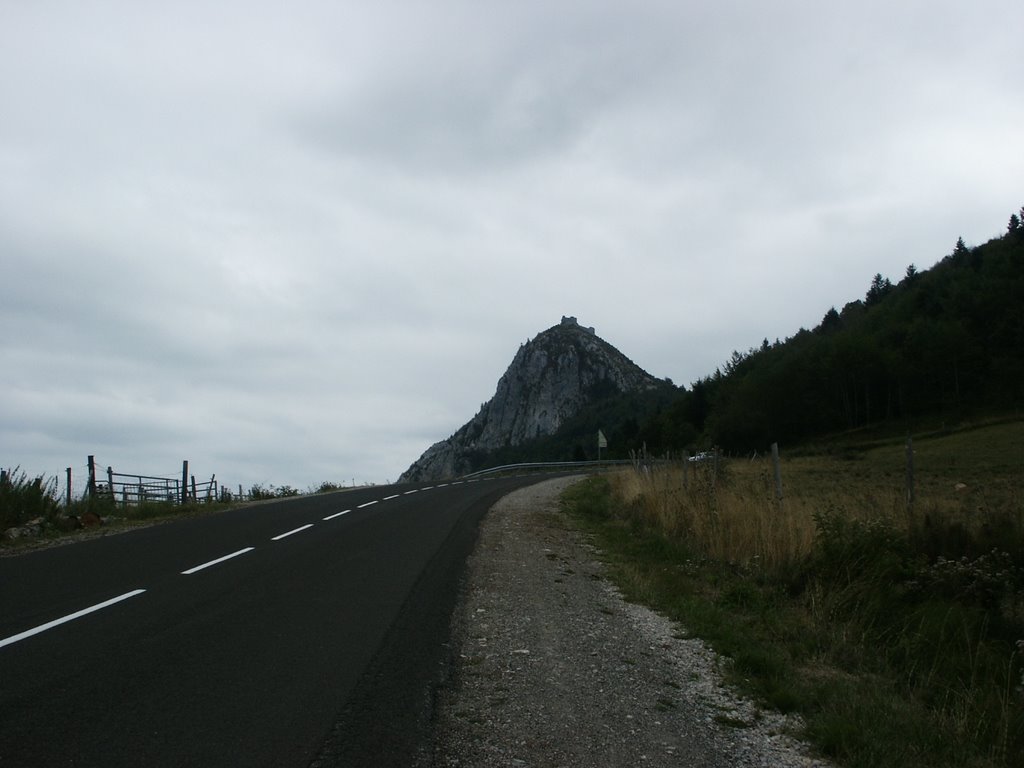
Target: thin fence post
x: 184, y: 481
x: 194, y: 498
x: 110, y: 482
x: 69, y: 488
x: 90, y: 489
x: 910, y: 471
x: 777, y: 464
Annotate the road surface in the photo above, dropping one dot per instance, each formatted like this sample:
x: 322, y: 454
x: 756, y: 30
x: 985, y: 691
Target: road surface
x: 301, y: 632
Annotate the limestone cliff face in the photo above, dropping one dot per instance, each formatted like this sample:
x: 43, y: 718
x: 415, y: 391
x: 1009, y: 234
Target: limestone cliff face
x: 550, y: 379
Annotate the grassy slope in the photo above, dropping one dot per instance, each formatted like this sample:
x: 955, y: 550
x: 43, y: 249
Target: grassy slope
x: 892, y: 629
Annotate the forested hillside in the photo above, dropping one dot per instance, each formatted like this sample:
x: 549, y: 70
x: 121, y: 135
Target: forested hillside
x: 938, y: 346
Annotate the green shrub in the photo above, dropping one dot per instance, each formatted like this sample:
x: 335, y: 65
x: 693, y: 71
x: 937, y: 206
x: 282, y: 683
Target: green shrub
x: 943, y: 631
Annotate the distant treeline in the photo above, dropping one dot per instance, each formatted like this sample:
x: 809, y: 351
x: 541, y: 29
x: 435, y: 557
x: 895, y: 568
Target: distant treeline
x: 941, y: 345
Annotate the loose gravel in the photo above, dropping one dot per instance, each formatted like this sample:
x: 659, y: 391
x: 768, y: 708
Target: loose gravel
x: 554, y: 668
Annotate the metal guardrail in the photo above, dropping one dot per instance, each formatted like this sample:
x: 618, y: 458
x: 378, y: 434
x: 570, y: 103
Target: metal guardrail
x: 538, y: 465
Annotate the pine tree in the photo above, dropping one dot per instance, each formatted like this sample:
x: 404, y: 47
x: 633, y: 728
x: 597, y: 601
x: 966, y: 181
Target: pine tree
x: 880, y: 286
x: 831, y: 321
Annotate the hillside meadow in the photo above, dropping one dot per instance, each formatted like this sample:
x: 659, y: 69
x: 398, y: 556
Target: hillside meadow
x: 894, y: 628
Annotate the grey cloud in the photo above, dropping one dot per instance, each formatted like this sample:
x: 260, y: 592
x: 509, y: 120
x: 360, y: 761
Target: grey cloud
x: 301, y: 243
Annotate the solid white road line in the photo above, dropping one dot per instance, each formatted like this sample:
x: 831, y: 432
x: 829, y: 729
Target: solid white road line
x: 294, y: 530
x: 69, y: 617
x: 190, y: 571
x: 338, y: 514
x: 368, y: 504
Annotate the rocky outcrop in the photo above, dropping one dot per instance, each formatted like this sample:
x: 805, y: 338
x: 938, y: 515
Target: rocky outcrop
x: 550, y: 379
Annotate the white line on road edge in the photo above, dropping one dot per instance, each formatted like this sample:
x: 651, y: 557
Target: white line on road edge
x: 289, y: 533
x: 337, y: 514
x: 389, y: 498
x: 69, y: 617
x: 190, y: 571
x: 368, y: 504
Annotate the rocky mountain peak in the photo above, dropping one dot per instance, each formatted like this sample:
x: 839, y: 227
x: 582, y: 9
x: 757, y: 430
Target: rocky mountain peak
x: 551, y: 378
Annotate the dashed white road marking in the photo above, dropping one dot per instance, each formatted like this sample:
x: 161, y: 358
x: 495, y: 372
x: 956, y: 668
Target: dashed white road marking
x: 70, y: 617
x: 289, y: 533
x: 190, y: 571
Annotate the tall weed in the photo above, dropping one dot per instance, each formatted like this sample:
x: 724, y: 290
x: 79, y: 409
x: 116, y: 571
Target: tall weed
x: 23, y: 499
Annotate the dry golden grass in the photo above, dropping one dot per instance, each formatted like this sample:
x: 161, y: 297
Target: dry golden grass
x: 737, y: 518
x: 738, y: 521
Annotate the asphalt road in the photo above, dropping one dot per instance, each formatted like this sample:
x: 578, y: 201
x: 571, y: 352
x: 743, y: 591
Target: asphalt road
x: 308, y: 631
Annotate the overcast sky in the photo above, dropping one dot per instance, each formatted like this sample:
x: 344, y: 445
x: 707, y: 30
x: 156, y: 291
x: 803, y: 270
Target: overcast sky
x: 300, y: 242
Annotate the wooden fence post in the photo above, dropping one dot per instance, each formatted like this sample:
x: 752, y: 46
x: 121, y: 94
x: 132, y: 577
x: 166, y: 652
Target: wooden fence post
x: 90, y: 489
x: 69, y: 488
x: 110, y: 482
x: 184, y: 481
x: 194, y: 499
x: 778, y: 471
x: 910, y: 471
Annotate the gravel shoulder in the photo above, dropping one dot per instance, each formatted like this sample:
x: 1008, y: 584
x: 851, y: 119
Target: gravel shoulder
x: 552, y: 667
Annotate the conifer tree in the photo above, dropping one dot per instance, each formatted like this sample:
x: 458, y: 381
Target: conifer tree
x: 880, y: 286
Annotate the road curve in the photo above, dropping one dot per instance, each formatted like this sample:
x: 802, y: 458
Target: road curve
x: 303, y: 632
